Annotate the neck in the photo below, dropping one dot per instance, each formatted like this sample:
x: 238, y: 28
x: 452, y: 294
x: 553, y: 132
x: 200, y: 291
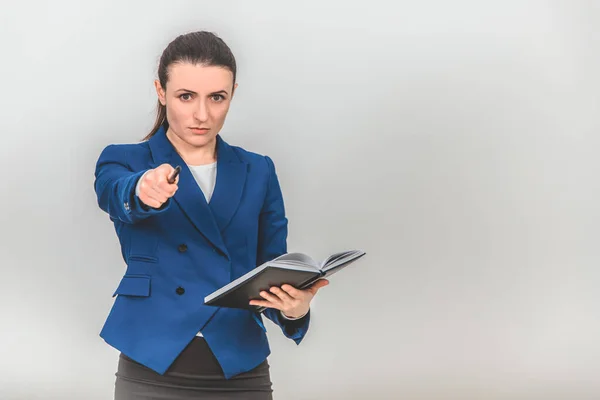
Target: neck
x: 194, y: 155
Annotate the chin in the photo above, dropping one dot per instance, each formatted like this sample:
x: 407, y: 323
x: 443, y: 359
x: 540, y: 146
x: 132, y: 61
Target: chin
x: 201, y: 140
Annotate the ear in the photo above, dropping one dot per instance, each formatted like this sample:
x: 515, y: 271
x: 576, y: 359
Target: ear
x: 233, y: 91
x: 160, y: 92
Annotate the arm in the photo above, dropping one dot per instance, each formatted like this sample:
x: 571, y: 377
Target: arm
x: 115, y: 185
x: 272, y: 242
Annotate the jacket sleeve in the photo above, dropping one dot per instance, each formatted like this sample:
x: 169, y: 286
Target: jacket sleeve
x: 115, y: 184
x: 272, y: 242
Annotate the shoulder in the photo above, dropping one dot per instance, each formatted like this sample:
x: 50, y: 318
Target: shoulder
x: 123, y: 152
x: 253, y: 159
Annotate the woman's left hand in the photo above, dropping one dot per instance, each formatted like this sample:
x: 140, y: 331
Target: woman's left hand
x: 292, y: 302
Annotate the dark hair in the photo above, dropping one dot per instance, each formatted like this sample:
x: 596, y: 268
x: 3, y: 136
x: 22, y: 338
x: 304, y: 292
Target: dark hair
x: 200, y: 47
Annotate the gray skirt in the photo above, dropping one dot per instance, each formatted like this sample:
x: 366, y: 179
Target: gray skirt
x: 195, y: 374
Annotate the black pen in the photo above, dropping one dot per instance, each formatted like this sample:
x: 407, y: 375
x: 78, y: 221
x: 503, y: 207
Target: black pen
x: 173, y: 176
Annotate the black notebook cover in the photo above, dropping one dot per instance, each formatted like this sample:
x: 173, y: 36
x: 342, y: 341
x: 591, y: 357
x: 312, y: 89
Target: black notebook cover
x: 240, y: 296
x: 295, y: 269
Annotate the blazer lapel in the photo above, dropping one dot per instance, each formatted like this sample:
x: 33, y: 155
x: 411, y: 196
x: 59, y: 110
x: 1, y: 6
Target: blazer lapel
x: 231, y: 179
x: 189, y: 196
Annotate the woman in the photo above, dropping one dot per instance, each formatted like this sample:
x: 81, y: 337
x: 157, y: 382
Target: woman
x: 182, y: 239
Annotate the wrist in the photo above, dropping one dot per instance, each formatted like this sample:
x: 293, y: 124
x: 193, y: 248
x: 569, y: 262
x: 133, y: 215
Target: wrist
x: 292, y: 318
x: 137, y: 185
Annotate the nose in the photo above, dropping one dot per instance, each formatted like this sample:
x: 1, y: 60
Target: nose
x: 201, y: 113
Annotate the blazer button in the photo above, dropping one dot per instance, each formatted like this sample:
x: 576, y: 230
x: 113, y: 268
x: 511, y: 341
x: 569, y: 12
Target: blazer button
x: 180, y: 290
x: 182, y: 248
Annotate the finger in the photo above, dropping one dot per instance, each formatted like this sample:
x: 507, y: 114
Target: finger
x: 322, y: 282
x: 318, y: 285
x: 292, y: 291
x: 268, y: 296
x: 167, y: 171
x: 150, y: 187
x: 173, y: 188
x: 152, y: 184
x: 150, y: 202
x: 283, y: 295
x: 162, y: 174
x: 155, y: 190
x: 264, y: 303
x: 148, y: 182
x: 156, y: 195
x: 166, y: 188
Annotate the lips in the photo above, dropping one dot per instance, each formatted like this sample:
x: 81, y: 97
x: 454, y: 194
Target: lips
x: 199, y: 130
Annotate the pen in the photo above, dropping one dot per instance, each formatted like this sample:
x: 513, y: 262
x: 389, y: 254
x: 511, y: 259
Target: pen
x: 173, y: 176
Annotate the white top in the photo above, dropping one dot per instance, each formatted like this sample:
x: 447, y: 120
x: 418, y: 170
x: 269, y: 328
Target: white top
x: 206, y: 177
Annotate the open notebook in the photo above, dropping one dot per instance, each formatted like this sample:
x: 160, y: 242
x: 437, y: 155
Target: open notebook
x: 296, y: 269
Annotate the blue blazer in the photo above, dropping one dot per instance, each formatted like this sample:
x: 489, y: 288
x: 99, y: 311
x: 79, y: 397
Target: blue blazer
x: 178, y: 254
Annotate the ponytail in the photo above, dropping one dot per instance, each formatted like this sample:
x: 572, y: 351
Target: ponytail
x: 161, y: 119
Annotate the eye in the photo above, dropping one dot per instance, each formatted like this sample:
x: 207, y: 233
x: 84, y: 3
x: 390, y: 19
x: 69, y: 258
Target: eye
x: 185, y: 94
x: 218, y: 97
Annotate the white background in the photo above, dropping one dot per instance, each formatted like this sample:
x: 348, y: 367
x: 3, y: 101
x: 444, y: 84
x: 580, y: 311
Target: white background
x: 456, y: 142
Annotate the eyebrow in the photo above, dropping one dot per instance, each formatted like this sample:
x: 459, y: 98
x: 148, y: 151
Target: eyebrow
x: 191, y: 91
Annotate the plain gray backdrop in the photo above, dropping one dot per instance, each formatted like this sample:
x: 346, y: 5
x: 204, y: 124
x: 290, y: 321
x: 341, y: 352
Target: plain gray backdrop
x: 455, y: 141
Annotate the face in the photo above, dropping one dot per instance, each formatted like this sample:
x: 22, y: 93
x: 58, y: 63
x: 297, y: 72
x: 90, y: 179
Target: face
x: 197, y: 99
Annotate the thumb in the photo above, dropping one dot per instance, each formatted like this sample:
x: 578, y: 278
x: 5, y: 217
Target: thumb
x: 163, y: 171
x: 166, y: 173
x: 323, y: 283
x: 318, y: 285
